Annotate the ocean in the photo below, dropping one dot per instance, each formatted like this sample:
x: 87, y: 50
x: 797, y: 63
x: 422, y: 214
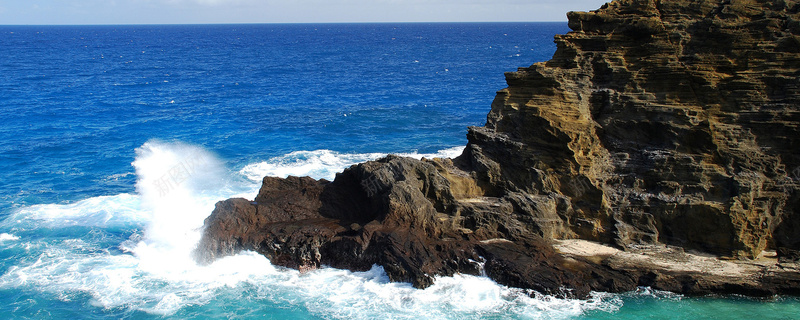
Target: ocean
x: 117, y: 141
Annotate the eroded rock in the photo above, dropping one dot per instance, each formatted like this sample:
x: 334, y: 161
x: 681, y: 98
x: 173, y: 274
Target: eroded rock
x: 661, y: 122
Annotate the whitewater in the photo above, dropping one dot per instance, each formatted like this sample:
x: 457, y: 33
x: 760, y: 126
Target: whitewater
x: 151, y: 268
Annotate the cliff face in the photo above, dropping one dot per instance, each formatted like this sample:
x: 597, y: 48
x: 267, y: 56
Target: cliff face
x: 656, y: 123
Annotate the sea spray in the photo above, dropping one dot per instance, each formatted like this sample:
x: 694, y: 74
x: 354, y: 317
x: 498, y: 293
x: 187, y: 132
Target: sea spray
x: 174, y: 181
x: 133, y: 251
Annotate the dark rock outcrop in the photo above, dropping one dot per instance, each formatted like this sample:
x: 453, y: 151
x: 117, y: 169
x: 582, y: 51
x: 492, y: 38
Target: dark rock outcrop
x: 396, y: 212
x: 669, y: 125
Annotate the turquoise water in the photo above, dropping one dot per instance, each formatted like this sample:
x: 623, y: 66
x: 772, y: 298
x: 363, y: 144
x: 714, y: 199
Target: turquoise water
x: 116, y: 141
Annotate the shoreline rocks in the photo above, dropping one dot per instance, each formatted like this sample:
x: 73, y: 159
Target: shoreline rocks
x: 658, y: 129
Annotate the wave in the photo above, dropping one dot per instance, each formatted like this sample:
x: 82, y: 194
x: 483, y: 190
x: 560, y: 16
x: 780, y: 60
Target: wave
x: 324, y: 164
x: 104, y: 211
x: 368, y: 295
x: 132, y: 252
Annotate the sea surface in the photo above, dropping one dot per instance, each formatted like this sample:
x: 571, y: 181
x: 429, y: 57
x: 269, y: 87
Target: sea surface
x: 116, y: 141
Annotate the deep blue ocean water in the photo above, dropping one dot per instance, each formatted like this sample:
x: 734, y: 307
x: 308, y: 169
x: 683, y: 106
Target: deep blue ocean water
x: 116, y: 141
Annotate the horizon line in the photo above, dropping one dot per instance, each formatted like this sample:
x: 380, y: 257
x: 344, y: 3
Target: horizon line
x: 270, y: 23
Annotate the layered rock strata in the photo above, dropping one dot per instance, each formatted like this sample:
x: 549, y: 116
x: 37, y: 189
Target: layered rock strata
x: 661, y: 121
x: 658, y: 124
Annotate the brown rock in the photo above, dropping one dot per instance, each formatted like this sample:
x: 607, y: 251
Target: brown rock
x: 661, y: 122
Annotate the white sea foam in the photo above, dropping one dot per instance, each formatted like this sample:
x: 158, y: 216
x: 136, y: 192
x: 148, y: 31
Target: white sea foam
x: 655, y: 294
x: 319, y: 164
x: 155, y: 273
x: 367, y: 295
x: 118, y: 176
x: 324, y: 164
x: 177, y: 186
x: 124, y: 280
x: 103, y: 211
x: 8, y: 237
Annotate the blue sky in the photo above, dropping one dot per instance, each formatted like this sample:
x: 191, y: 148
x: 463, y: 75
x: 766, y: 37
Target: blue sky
x: 286, y: 11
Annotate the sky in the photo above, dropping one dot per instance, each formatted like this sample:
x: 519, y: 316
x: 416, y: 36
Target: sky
x: 48, y: 12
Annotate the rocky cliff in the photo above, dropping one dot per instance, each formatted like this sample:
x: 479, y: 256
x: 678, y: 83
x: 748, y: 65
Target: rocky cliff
x: 659, y: 121
x: 658, y: 127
